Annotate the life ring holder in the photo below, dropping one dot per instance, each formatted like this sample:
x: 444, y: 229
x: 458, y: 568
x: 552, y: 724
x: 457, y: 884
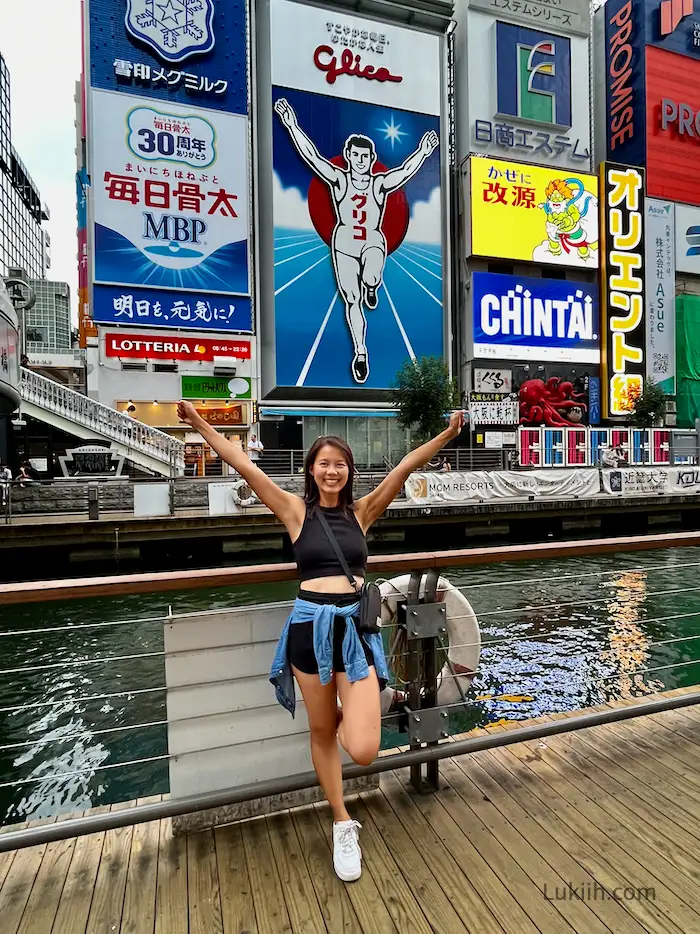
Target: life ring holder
x: 463, y: 636
x: 235, y: 496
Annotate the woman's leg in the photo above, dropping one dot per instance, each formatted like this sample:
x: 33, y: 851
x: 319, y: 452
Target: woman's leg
x: 322, y: 711
x: 360, y: 729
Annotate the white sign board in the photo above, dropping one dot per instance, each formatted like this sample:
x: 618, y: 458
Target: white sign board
x: 646, y: 481
x: 503, y: 412
x: 661, y: 293
x: 425, y: 489
x: 491, y: 380
x: 568, y: 16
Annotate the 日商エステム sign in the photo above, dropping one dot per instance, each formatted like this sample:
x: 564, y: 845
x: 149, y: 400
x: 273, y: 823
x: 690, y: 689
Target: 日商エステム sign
x: 622, y: 277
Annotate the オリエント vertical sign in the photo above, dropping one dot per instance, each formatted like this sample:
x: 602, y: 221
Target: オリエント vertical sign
x: 622, y: 285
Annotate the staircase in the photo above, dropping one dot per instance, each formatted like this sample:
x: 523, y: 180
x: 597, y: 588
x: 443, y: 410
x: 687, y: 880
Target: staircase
x: 78, y: 415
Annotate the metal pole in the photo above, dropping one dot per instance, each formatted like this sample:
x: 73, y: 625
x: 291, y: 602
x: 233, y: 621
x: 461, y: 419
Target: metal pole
x: 174, y: 807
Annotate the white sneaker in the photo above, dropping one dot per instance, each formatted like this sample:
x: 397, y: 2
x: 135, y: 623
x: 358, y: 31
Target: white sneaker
x: 347, y: 855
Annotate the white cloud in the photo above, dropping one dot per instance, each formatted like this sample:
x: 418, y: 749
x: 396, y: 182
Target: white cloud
x: 290, y: 208
x: 41, y: 46
x: 425, y: 226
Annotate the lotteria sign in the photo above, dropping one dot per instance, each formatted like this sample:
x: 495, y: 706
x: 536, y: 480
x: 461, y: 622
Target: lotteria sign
x: 519, y: 318
x: 176, y: 347
x: 622, y: 276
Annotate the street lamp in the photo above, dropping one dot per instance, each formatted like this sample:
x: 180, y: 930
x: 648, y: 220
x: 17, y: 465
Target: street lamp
x: 23, y: 297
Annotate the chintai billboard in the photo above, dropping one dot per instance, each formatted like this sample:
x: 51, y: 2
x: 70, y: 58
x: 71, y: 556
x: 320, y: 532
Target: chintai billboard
x: 355, y: 284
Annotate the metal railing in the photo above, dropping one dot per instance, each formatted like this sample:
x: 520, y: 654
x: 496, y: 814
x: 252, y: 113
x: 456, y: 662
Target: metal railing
x: 278, y: 463
x: 419, y: 690
x: 103, y: 420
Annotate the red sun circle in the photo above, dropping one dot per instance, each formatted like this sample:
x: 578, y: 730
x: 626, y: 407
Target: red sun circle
x: 323, y: 216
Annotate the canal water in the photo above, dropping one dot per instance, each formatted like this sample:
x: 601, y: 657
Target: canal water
x: 563, y: 635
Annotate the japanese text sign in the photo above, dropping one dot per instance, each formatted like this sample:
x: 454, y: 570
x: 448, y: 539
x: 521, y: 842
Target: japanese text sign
x: 170, y: 196
x: 622, y: 285
x: 215, y: 387
x: 568, y: 16
x: 158, y: 308
x: 190, y: 51
x: 527, y: 212
x: 661, y: 294
x: 226, y: 415
x: 173, y: 347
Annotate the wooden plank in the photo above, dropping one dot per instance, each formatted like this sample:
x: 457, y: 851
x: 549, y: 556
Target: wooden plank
x: 172, y: 888
x: 332, y: 894
x: 195, y: 632
x: 234, y: 729
x: 18, y: 883
x: 218, y: 664
x: 270, y: 908
x: 458, y: 877
x: 76, y: 898
x: 512, y: 857
x: 609, y: 911
x: 203, y: 884
x: 139, y: 916
x: 372, y: 914
x: 435, y: 904
x: 40, y: 913
x: 617, y: 843
x: 237, y: 908
x: 108, y: 899
x: 516, y: 779
x: 302, y: 905
x: 620, y: 768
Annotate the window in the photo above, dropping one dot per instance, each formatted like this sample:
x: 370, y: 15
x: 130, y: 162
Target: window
x: 134, y: 366
x: 165, y: 368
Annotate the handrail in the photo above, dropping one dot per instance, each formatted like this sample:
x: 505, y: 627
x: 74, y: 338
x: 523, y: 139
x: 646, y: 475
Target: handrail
x: 74, y: 406
x: 175, y: 807
x: 167, y: 581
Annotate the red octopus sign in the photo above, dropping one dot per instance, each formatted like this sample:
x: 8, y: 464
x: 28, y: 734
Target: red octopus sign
x: 554, y: 403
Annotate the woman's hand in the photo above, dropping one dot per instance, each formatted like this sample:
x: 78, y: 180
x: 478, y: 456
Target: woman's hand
x: 456, y: 423
x: 186, y: 412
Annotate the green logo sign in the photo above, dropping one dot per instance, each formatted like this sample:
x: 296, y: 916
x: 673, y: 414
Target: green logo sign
x: 215, y: 387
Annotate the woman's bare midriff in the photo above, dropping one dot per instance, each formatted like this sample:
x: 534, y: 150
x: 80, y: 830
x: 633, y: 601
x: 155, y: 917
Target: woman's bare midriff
x: 330, y: 585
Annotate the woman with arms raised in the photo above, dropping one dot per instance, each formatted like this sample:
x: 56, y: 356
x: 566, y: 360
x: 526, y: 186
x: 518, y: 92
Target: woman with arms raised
x: 320, y: 645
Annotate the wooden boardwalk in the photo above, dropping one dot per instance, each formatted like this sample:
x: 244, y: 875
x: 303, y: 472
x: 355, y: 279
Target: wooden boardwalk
x: 612, y: 813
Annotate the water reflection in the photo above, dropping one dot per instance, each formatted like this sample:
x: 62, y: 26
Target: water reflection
x: 558, y: 635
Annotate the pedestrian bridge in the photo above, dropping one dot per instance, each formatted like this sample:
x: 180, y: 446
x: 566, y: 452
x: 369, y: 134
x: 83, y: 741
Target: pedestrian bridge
x: 63, y: 408
x: 578, y: 821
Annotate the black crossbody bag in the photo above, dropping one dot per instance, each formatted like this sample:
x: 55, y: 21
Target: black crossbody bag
x: 369, y: 594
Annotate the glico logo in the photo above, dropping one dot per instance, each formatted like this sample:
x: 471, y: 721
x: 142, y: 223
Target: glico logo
x: 672, y: 12
x: 534, y: 75
x: 692, y: 237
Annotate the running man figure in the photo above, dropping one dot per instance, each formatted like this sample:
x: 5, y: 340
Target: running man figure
x: 358, y: 247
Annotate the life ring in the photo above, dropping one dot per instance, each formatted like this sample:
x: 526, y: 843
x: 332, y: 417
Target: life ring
x: 237, y: 501
x: 462, y: 634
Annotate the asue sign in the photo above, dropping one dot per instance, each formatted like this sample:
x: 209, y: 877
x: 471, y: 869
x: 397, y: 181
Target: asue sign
x: 523, y: 318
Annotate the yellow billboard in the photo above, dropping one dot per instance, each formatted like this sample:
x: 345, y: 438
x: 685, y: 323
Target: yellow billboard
x: 531, y: 213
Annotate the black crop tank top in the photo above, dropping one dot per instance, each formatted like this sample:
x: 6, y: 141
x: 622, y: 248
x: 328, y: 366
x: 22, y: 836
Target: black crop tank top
x: 313, y: 552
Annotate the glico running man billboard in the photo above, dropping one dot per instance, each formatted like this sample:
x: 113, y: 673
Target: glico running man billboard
x: 356, y: 198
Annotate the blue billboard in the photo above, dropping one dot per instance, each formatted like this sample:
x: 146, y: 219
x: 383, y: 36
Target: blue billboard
x: 522, y: 318
x: 158, y: 308
x: 184, y: 51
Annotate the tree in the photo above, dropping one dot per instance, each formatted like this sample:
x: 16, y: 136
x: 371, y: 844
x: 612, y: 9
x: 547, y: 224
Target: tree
x: 646, y: 406
x: 423, y: 392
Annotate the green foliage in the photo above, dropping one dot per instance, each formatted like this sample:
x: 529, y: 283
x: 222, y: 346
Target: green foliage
x: 423, y: 392
x: 648, y: 406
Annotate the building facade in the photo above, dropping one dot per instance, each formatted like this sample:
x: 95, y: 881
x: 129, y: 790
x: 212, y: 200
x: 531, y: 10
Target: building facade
x: 48, y: 323
x: 23, y: 242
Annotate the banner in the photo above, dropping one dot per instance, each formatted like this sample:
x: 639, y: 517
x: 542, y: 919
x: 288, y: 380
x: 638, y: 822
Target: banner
x: 493, y: 409
x: 426, y: 489
x: 534, y: 214
x: 661, y: 294
x: 523, y: 318
x: 189, y: 51
x: 622, y: 286
x: 357, y: 206
x: 173, y: 347
x: 170, y: 197
x: 650, y: 480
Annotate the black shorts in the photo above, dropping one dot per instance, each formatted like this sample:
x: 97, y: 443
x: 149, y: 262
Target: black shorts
x: 300, y: 647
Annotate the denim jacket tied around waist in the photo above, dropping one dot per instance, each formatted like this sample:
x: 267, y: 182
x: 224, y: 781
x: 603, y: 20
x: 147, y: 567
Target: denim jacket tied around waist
x: 323, y: 618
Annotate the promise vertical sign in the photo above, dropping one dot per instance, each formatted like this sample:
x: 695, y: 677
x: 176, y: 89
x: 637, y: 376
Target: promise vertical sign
x: 622, y: 285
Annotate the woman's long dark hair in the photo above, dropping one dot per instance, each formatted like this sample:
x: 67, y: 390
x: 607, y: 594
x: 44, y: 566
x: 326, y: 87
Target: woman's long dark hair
x: 311, y: 491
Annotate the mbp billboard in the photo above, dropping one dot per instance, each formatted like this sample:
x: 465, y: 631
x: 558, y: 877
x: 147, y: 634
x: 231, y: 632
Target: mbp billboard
x: 532, y: 213
x: 661, y: 293
x: 523, y: 318
x: 622, y: 277
x: 170, y: 209
x: 185, y: 51
x: 526, y: 81
x: 356, y: 197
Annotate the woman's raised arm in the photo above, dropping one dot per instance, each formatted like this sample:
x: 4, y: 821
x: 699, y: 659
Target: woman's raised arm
x: 288, y: 508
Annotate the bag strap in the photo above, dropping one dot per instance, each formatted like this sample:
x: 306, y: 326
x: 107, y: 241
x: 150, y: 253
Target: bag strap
x: 336, y: 548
